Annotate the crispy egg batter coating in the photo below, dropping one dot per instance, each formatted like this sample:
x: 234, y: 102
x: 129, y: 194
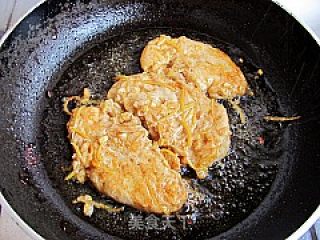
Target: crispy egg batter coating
x: 179, y: 118
x: 206, y: 67
x: 113, y: 151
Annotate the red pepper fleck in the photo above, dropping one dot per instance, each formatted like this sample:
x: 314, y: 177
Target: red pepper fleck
x: 189, y: 221
x: 261, y: 140
x: 30, y: 156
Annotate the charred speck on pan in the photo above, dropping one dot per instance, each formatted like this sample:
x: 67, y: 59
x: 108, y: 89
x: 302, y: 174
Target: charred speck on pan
x: 235, y: 185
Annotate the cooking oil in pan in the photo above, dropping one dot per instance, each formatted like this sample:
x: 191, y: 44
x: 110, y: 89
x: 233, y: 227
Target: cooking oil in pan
x: 236, y: 185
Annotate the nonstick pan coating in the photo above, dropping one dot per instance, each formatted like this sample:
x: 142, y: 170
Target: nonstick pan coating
x: 64, y: 46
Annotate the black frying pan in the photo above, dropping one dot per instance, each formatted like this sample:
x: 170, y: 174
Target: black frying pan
x: 263, y: 190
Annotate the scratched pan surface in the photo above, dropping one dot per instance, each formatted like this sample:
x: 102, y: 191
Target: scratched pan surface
x: 265, y: 189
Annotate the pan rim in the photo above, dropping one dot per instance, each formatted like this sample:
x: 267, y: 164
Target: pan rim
x: 316, y: 214
x: 24, y: 226
x: 30, y: 232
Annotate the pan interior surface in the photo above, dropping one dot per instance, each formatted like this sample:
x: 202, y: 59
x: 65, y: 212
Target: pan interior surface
x: 236, y: 184
x: 82, y: 44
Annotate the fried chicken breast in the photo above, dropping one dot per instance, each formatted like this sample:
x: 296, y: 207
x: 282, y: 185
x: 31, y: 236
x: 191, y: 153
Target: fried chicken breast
x: 179, y: 118
x: 132, y: 145
x: 207, y: 68
x: 113, y: 151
